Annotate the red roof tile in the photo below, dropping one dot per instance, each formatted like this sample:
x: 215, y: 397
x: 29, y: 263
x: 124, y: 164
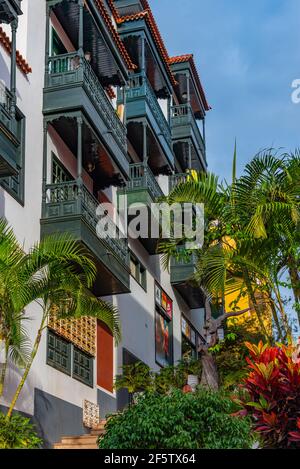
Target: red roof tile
x: 190, y: 58
x: 114, y: 33
x: 21, y: 62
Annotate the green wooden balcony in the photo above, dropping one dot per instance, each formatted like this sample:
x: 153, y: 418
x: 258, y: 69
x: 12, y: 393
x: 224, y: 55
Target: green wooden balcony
x: 181, y: 272
x: 72, y: 84
x: 185, y: 131
x: 176, y: 179
x: 9, y: 139
x: 71, y: 208
x: 9, y: 10
x: 142, y: 188
x: 142, y: 103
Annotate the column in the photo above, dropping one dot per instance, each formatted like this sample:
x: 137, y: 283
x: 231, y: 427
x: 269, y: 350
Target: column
x: 190, y: 156
x: 79, y: 150
x: 188, y: 90
x: 145, y: 153
x: 47, y: 48
x: 80, y: 29
x: 13, y: 87
x: 143, y: 58
x: 169, y: 108
x: 45, y: 164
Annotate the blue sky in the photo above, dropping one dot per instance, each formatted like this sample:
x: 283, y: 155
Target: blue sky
x: 247, y: 53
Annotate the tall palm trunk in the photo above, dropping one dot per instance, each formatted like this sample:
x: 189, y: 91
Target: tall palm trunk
x: 210, y: 375
x: 256, y: 306
x: 28, y: 368
x: 3, y: 364
x: 2, y: 376
x: 295, y: 282
x: 283, y: 314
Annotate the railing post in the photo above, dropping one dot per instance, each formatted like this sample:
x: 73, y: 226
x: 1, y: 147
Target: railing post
x: 13, y: 67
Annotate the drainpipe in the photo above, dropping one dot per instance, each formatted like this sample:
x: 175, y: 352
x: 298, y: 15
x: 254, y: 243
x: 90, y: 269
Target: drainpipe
x: 13, y: 88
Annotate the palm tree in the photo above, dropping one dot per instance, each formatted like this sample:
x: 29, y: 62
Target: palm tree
x: 55, y: 273
x: 14, y: 342
x: 245, y: 223
x: 268, y: 192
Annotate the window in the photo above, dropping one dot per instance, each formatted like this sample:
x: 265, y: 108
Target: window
x: 57, y: 47
x: 14, y: 185
x: 163, y: 328
x: 138, y: 271
x: 82, y: 367
x: 65, y: 357
x: 59, y: 172
x: 59, y: 353
x: 190, y: 339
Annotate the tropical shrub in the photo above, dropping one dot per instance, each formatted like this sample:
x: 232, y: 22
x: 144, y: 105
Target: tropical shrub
x: 18, y: 433
x: 273, y: 384
x: 231, y: 353
x: 178, y: 421
x: 138, y: 377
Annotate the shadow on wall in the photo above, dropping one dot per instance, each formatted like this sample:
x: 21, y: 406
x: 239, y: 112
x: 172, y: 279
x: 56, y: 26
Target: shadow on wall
x: 5, y: 74
x: 2, y: 203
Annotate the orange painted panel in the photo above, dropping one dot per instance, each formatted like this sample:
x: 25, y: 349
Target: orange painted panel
x: 105, y: 357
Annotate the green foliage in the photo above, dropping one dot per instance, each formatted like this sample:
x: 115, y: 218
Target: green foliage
x: 55, y: 273
x: 231, y: 353
x: 139, y: 378
x: 18, y: 433
x: 178, y: 421
x: 135, y: 378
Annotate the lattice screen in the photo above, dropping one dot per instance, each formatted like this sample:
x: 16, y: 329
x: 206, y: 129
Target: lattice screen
x: 81, y: 332
x: 91, y: 414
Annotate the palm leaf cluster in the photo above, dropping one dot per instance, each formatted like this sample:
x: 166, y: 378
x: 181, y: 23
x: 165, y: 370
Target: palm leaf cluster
x: 54, y: 273
x: 251, y: 234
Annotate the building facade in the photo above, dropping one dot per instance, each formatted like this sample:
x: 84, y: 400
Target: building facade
x: 93, y: 108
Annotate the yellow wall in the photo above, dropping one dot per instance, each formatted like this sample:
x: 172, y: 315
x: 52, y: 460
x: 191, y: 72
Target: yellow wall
x: 248, y: 319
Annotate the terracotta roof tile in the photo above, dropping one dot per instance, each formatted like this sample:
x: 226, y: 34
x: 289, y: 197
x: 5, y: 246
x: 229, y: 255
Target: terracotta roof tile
x: 21, y: 62
x: 115, y: 35
x: 110, y: 91
x: 190, y: 58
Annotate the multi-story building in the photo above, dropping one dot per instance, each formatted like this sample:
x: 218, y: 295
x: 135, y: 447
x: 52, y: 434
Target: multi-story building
x: 92, y: 107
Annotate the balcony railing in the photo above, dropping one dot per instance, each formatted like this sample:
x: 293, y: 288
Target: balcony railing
x: 141, y: 177
x: 183, y: 115
x: 69, y: 198
x: 70, y: 69
x: 140, y: 87
x: 176, y: 179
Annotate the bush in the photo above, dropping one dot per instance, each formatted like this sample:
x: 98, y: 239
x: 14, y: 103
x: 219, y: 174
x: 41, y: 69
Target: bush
x: 231, y: 355
x: 139, y: 377
x: 273, y: 383
x: 17, y: 433
x: 178, y: 421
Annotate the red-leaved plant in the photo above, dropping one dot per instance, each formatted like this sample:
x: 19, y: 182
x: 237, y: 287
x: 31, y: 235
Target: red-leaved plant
x: 273, y: 385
